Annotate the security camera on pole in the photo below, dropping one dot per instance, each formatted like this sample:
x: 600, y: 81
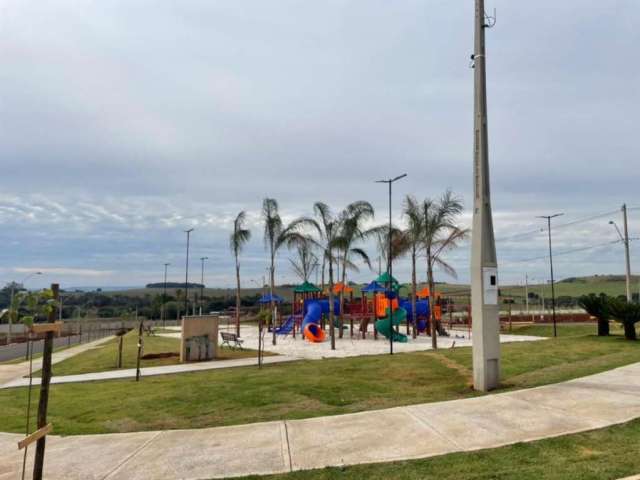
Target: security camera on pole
x: 484, y: 265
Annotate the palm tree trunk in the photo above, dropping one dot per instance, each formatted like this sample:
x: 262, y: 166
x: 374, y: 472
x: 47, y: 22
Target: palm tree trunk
x: 332, y: 331
x: 344, y: 285
x: 432, y: 302
x: 237, y: 297
x: 413, y: 295
x: 272, y: 303
x: 630, y: 331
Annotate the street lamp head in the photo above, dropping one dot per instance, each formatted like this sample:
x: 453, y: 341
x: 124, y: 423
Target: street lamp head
x: 399, y: 177
x: 190, y: 230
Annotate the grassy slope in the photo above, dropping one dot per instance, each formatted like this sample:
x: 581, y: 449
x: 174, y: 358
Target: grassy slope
x: 104, y: 358
x: 608, y: 453
x: 309, y: 388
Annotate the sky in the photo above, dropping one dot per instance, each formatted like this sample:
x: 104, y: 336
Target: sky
x: 123, y: 123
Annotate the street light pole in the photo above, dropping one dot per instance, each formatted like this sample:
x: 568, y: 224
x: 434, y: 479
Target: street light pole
x: 202, y: 259
x: 186, y: 275
x: 390, y: 182
x: 625, y: 240
x: 484, y: 265
x: 553, y: 290
x: 164, y: 295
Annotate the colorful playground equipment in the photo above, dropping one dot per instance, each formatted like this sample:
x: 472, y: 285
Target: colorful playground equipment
x: 314, y: 309
x: 390, y: 315
x: 377, y: 305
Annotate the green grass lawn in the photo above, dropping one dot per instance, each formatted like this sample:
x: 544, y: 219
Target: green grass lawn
x: 608, y: 453
x: 104, y: 357
x: 308, y: 388
x: 564, y: 329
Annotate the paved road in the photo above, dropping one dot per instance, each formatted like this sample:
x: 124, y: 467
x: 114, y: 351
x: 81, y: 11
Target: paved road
x: 402, y: 433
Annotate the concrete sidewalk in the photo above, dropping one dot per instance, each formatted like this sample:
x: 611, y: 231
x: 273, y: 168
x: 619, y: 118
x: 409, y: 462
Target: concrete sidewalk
x: 151, y: 371
x: 415, y: 431
x: 14, y: 371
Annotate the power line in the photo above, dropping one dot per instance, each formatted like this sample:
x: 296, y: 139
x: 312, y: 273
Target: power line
x: 566, y: 252
x: 562, y: 225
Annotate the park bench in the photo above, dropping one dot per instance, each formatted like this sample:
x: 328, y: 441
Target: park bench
x: 228, y: 338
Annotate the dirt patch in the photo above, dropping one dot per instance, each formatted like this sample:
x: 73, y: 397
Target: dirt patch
x: 150, y: 356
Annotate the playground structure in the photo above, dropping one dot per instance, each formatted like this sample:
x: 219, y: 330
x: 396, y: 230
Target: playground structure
x: 384, y: 309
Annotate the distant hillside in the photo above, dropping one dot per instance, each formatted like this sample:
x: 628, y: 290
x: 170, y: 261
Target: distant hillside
x: 599, y: 279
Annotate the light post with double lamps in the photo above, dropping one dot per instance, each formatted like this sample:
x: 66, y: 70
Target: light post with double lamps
x: 11, y: 306
x: 389, y: 262
x: 164, y: 295
x: 202, y: 259
x: 186, y: 275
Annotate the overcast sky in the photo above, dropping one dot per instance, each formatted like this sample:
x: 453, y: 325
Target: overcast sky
x: 125, y: 122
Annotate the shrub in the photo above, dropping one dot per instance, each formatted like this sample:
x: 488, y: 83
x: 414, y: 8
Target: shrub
x: 626, y: 313
x: 597, y: 306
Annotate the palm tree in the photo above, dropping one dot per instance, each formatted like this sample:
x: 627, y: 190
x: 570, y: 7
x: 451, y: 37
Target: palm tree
x: 597, y: 306
x: 351, y: 231
x: 411, y: 241
x: 275, y: 236
x: 441, y: 234
x: 626, y: 313
x: 327, y: 227
x: 306, y: 263
x: 237, y: 240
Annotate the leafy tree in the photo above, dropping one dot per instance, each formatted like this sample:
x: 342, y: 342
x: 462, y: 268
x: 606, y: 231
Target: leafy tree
x: 306, y: 262
x: 597, y: 306
x: 626, y: 313
x: 441, y: 234
x: 239, y: 237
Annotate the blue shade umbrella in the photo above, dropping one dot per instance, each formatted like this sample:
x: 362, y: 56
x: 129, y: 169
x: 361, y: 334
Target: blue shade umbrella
x: 267, y: 299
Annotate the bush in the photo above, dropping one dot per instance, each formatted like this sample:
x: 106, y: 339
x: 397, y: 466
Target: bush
x: 597, y: 306
x: 626, y: 313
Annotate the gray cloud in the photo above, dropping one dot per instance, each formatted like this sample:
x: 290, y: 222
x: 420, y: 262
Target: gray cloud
x: 125, y: 122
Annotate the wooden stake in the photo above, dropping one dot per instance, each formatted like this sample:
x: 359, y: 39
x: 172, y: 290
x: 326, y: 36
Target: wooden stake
x: 139, y: 351
x: 38, y: 466
x: 120, y: 341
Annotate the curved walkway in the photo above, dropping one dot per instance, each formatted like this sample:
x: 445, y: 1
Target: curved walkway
x: 415, y: 431
x: 13, y: 371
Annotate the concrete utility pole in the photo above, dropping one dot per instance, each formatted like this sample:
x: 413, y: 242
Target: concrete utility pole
x: 626, y: 251
x: 484, y: 265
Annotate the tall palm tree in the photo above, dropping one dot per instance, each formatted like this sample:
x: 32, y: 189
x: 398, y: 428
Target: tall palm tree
x: 441, y: 234
x: 238, y: 238
x: 277, y: 235
x: 351, y: 231
x: 306, y: 262
x: 410, y: 242
x: 327, y: 227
